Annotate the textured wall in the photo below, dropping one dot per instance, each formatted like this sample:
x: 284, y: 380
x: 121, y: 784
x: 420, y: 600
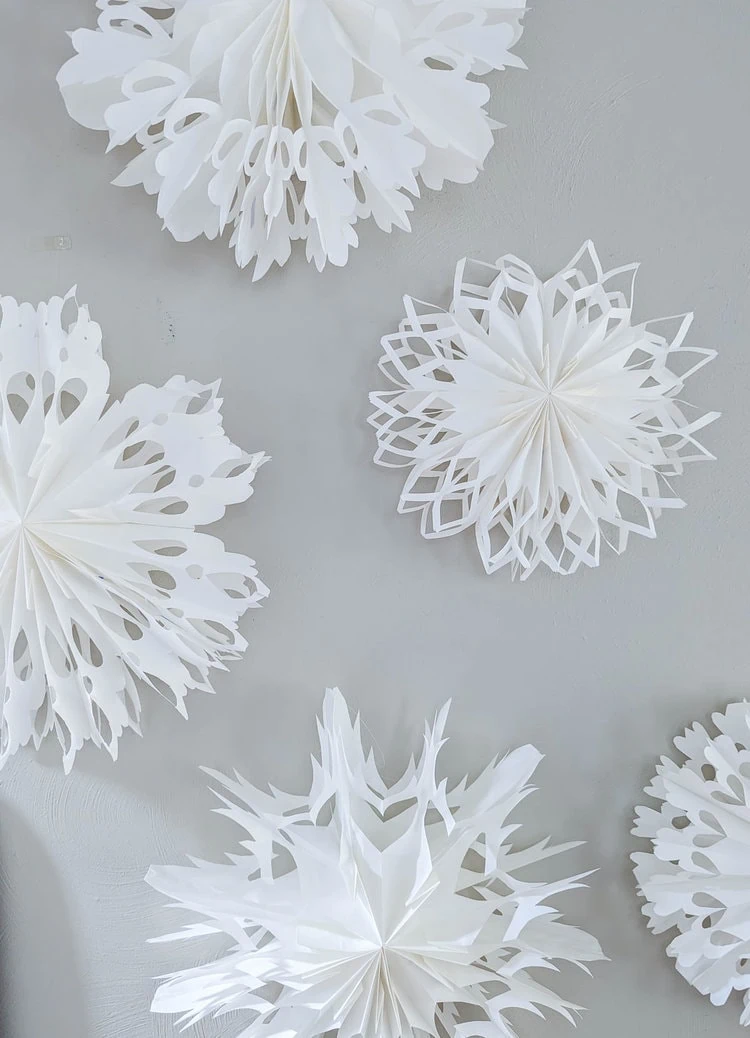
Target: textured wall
x: 631, y: 128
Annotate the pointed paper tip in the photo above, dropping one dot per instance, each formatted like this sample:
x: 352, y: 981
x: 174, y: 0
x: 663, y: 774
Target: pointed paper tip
x: 334, y: 698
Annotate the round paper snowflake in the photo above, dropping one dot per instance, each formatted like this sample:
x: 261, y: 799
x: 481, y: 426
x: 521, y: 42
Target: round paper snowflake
x: 291, y: 119
x: 696, y: 880
x: 538, y: 413
x: 374, y: 911
x: 104, y: 582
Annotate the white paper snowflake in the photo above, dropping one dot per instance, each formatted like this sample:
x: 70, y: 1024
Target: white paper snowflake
x: 374, y: 911
x: 696, y: 880
x: 291, y: 119
x: 538, y: 413
x: 104, y: 582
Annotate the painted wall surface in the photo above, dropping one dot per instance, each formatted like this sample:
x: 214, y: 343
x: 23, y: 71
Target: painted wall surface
x: 631, y: 127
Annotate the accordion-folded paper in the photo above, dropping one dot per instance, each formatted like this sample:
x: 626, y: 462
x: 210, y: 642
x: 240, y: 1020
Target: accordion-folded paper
x: 374, y: 910
x: 106, y: 586
x: 538, y: 413
x: 291, y: 120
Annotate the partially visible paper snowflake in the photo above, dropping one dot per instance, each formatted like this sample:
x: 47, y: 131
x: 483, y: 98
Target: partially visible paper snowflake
x: 291, y: 119
x: 538, y: 413
x: 104, y: 582
x: 696, y: 878
x: 370, y: 910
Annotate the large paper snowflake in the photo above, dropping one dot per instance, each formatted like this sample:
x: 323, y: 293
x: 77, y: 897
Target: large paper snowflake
x: 696, y: 879
x: 538, y: 413
x: 291, y: 119
x: 104, y: 582
x: 374, y: 911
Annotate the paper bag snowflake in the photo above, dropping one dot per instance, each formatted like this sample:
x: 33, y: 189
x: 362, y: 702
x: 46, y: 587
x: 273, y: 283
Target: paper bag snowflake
x: 696, y: 878
x: 291, y: 119
x: 363, y: 909
x: 105, y: 585
x: 538, y: 413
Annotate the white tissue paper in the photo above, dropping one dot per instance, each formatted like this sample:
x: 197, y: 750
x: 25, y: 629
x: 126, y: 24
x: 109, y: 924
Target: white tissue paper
x: 696, y: 877
x: 538, y: 413
x: 291, y: 119
x: 364, y: 909
x: 105, y: 585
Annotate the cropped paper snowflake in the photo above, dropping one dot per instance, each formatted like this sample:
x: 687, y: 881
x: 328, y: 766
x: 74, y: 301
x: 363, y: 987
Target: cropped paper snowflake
x: 291, y: 119
x: 538, y: 413
x: 697, y: 877
x: 374, y: 911
x: 104, y: 581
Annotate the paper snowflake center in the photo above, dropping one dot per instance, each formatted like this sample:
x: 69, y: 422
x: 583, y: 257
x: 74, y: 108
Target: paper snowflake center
x: 26, y: 527
x: 24, y: 516
x: 384, y: 946
x: 386, y: 968
x: 31, y: 541
x: 543, y: 392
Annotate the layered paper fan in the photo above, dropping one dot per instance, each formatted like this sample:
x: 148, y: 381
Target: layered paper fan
x: 291, y: 119
x: 696, y: 877
x: 105, y: 585
x: 538, y: 413
x: 364, y: 909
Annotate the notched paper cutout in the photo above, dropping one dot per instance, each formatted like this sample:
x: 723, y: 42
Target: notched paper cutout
x: 291, y: 120
x: 537, y: 413
x: 105, y: 584
x: 374, y: 910
x: 696, y: 878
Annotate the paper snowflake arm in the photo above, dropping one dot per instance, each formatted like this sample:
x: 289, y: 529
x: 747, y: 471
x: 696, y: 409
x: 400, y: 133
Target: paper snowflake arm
x: 373, y: 910
x: 106, y: 586
x: 291, y: 120
x: 538, y: 414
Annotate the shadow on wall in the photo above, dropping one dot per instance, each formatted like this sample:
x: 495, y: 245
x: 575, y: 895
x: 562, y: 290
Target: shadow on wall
x: 40, y: 987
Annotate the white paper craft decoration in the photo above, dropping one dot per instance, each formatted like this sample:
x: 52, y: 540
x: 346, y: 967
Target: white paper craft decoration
x: 538, y: 413
x: 373, y: 910
x: 104, y: 582
x: 291, y: 119
x: 696, y: 878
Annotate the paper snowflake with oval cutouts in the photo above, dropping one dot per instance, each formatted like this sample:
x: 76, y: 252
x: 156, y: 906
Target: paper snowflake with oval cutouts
x: 105, y: 585
x: 291, y: 119
x: 538, y: 413
x: 696, y: 878
x: 364, y: 909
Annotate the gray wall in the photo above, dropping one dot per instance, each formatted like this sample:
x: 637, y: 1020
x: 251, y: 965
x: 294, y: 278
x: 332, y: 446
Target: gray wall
x: 631, y: 127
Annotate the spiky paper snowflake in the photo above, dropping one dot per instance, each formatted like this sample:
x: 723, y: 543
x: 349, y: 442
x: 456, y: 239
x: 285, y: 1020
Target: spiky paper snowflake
x: 696, y: 879
x: 374, y: 911
x: 538, y: 413
x: 104, y: 581
x: 291, y: 119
